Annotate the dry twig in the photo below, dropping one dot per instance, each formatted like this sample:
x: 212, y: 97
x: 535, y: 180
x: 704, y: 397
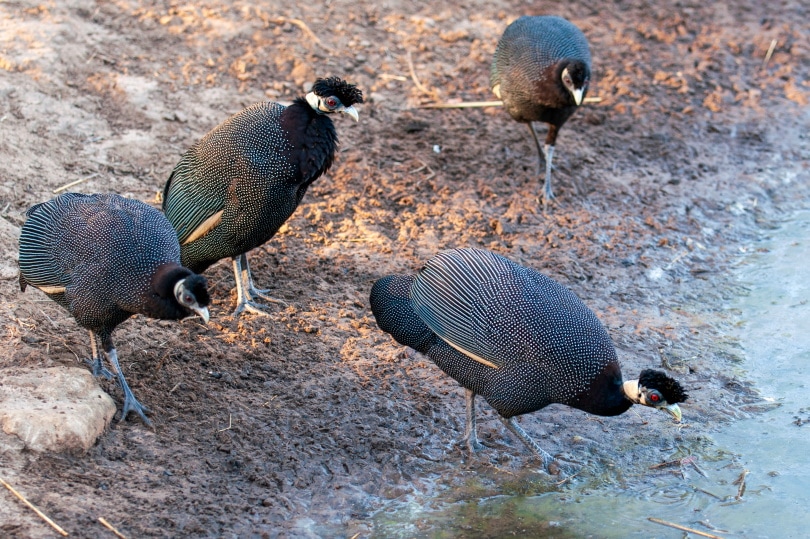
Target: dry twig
x: 300, y: 24
x: 414, y: 78
x: 111, y: 528
x: 741, y: 482
x: 683, y: 528
x: 42, y: 515
x: 77, y: 182
x: 769, y: 53
x: 480, y: 104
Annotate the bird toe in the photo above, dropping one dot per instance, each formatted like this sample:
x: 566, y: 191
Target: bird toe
x: 251, y: 307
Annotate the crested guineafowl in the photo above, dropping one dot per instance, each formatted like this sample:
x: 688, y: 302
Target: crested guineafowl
x: 514, y: 336
x: 105, y: 258
x: 541, y: 71
x: 233, y: 189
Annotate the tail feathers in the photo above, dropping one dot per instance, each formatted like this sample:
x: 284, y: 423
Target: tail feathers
x: 391, y: 305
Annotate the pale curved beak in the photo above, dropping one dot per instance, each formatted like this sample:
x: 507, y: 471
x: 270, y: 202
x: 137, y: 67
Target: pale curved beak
x: 202, y: 312
x: 674, y: 410
x: 578, y: 94
x: 351, y: 111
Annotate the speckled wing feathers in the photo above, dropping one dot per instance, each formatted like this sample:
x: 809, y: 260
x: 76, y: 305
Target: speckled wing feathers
x: 103, y: 248
x: 249, y: 146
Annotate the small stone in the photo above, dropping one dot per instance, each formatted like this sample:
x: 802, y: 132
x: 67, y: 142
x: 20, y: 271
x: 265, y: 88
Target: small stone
x: 58, y: 409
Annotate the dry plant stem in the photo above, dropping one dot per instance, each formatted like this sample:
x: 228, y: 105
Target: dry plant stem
x: 741, y: 482
x: 414, y: 77
x: 769, y: 53
x: 300, y: 24
x: 111, y: 528
x: 475, y: 104
x: 42, y: 515
x: 683, y: 528
x: 77, y: 182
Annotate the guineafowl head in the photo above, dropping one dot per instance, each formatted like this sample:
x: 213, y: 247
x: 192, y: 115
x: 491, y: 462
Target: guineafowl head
x: 656, y: 389
x: 575, y: 77
x: 192, y: 293
x: 335, y: 95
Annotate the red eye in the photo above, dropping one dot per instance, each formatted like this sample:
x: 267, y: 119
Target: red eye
x: 655, y: 397
x: 331, y: 102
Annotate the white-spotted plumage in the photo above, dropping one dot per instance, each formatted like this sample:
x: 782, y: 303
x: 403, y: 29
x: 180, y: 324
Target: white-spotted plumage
x: 508, y: 333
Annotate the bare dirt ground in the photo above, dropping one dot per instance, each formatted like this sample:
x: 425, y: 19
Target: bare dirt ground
x: 308, y: 422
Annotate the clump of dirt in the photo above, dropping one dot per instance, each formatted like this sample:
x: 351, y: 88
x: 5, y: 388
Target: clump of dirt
x: 309, y: 421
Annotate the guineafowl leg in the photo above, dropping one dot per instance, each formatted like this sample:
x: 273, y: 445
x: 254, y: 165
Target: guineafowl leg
x: 512, y: 425
x: 245, y: 290
x: 131, y: 404
x: 544, y: 156
x: 95, y: 359
x: 470, y: 436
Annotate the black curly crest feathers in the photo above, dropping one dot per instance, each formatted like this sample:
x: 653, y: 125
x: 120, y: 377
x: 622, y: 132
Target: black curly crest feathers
x: 349, y: 94
x: 671, y: 390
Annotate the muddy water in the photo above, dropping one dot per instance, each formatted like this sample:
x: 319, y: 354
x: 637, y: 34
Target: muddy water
x: 752, y: 479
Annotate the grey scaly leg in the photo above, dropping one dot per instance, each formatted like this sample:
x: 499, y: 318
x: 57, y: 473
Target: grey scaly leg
x: 512, y: 425
x: 245, y: 289
x: 470, y: 436
x: 131, y: 404
x: 544, y: 156
x: 95, y: 360
x: 547, y: 194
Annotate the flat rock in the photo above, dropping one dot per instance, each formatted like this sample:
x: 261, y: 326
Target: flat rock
x: 57, y: 409
x: 9, y: 235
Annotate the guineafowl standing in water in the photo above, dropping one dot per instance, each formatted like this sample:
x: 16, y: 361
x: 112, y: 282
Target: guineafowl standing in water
x: 541, y: 71
x: 105, y: 258
x: 514, y: 336
x: 233, y: 190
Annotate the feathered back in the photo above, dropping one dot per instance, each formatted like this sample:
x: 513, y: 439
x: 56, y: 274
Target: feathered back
x: 530, y: 45
x: 97, y: 255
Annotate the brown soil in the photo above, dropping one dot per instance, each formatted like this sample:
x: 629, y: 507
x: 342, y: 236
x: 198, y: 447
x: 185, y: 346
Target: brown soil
x: 308, y: 422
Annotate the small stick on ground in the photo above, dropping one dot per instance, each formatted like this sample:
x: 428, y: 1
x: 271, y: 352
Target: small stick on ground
x: 414, y: 78
x: 300, y: 24
x: 480, y: 104
x: 683, y: 528
x: 567, y: 479
x: 230, y: 424
x: 42, y: 515
x: 769, y: 53
x: 77, y: 182
x: 741, y: 482
x: 664, y: 464
x: 713, y: 495
x: 111, y: 528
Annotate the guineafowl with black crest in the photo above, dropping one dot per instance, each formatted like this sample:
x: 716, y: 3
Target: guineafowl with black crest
x: 515, y: 337
x: 232, y: 190
x: 541, y: 70
x: 104, y: 258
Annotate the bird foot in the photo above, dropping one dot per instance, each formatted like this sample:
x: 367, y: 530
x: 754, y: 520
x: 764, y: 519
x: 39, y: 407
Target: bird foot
x: 263, y: 294
x: 250, y: 306
x: 98, y: 368
x: 472, y: 444
x: 131, y: 404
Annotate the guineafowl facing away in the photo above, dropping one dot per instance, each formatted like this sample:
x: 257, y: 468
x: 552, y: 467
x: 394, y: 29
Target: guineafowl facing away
x: 541, y: 71
x: 105, y: 258
x: 514, y: 336
x: 233, y: 190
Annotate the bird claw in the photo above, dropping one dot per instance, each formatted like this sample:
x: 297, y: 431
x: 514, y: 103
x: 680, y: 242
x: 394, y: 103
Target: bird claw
x: 131, y: 404
x: 562, y: 468
x: 263, y: 294
x: 250, y: 306
x: 98, y: 368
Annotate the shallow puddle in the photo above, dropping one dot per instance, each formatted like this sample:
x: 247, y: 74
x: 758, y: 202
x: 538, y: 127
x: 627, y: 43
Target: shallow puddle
x: 752, y: 480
